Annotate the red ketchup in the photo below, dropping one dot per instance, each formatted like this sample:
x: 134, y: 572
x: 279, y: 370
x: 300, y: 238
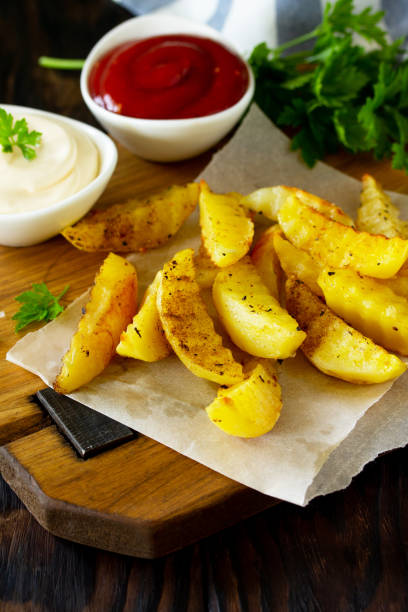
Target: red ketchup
x: 168, y: 77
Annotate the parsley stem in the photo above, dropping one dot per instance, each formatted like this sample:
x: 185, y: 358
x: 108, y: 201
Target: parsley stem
x: 63, y: 292
x: 60, y: 64
x: 295, y: 41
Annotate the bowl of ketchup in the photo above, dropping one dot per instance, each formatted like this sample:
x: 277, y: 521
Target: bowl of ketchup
x: 165, y: 87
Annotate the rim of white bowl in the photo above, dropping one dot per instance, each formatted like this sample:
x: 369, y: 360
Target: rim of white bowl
x: 108, y: 155
x: 103, y: 46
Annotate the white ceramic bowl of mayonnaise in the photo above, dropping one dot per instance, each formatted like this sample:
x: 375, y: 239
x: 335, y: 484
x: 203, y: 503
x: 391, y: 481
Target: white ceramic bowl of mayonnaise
x: 163, y: 140
x: 75, y: 162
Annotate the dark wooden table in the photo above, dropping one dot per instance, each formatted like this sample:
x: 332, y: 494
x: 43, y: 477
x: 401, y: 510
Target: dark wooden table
x: 347, y: 551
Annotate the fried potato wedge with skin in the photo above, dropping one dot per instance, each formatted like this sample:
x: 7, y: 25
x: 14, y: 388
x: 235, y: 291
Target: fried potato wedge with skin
x: 136, y: 224
x: 340, y: 246
x: 298, y: 263
x: 253, y: 318
x: 109, y: 310
x: 226, y: 227
x: 250, y: 408
x: 369, y: 306
x: 334, y: 347
x: 377, y: 214
x: 269, y: 200
x: 188, y: 327
x: 205, y: 268
x: 266, y: 261
x: 144, y: 337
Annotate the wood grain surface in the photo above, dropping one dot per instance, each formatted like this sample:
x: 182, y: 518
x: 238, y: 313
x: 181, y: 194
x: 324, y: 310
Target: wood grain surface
x: 346, y: 551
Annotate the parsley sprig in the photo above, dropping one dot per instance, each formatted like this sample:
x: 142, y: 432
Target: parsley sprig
x: 338, y: 93
x: 38, y: 304
x: 16, y: 134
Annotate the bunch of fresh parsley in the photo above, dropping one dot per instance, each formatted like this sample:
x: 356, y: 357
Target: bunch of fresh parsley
x: 338, y: 93
x: 16, y: 134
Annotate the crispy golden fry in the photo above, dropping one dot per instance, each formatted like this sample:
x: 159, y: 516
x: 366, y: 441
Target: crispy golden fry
x: 111, y: 307
x: 136, y: 224
x: 188, y: 326
x: 369, y: 306
x: 252, y: 317
x: 298, y: 263
x: 251, y: 407
x: 226, y: 227
x: 334, y: 347
x: 340, y: 246
x: 205, y: 268
x: 266, y: 261
x: 398, y: 284
x: 144, y: 338
x: 269, y: 200
x: 377, y: 214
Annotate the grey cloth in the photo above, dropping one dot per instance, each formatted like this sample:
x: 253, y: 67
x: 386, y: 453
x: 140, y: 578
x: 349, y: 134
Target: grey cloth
x: 293, y: 17
x: 396, y: 18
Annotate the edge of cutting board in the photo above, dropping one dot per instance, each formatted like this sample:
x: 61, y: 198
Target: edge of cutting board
x: 159, y: 502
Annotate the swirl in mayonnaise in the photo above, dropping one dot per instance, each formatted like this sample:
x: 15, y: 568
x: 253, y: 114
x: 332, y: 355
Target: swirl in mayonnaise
x: 66, y: 161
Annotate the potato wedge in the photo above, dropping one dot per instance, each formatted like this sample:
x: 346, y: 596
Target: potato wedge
x: 398, y: 284
x: 144, y: 337
x: 136, y: 224
x: 377, y: 214
x: 334, y: 347
x: 109, y: 310
x: 205, y: 268
x: 269, y: 200
x: 296, y: 262
x: 253, y: 318
x: 266, y: 261
x: 340, y: 246
x: 369, y: 306
x: 250, y: 408
x: 188, y: 327
x: 226, y: 227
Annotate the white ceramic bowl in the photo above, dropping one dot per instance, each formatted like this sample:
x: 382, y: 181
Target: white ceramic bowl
x: 162, y: 140
x: 25, y: 229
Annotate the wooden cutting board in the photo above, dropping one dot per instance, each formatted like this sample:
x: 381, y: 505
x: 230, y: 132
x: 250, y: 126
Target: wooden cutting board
x: 141, y: 498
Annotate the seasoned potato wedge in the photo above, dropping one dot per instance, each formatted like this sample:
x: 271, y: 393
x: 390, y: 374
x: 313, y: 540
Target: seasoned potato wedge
x: 269, y: 200
x: 144, y: 337
x: 334, y: 347
x: 251, y: 407
x: 253, y: 318
x: 205, y: 268
x: 111, y: 307
x: 340, y: 246
x: 369, y: 306
x: 299, y: 263
x: 226, y: 227
x: 188, y: 326
x: 266, y: 261
x: 377, y: 214
x: 136, y: 224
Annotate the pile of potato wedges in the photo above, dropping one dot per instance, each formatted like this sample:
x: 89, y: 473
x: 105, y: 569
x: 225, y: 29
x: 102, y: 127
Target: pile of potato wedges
x: 314, y: 281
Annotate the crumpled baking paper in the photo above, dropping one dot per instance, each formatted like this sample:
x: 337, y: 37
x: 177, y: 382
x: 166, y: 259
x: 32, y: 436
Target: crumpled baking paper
x: 328, y: 429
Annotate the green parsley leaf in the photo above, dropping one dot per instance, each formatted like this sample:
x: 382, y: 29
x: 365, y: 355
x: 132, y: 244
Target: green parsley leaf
x: 16, y: 134
x: 340, y: 19
x: 38, y: 304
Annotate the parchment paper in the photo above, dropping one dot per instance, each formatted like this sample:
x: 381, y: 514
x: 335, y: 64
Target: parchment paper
x: 328, y: 429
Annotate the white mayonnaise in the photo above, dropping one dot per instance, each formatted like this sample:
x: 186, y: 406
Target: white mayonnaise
x: 66, y: 161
